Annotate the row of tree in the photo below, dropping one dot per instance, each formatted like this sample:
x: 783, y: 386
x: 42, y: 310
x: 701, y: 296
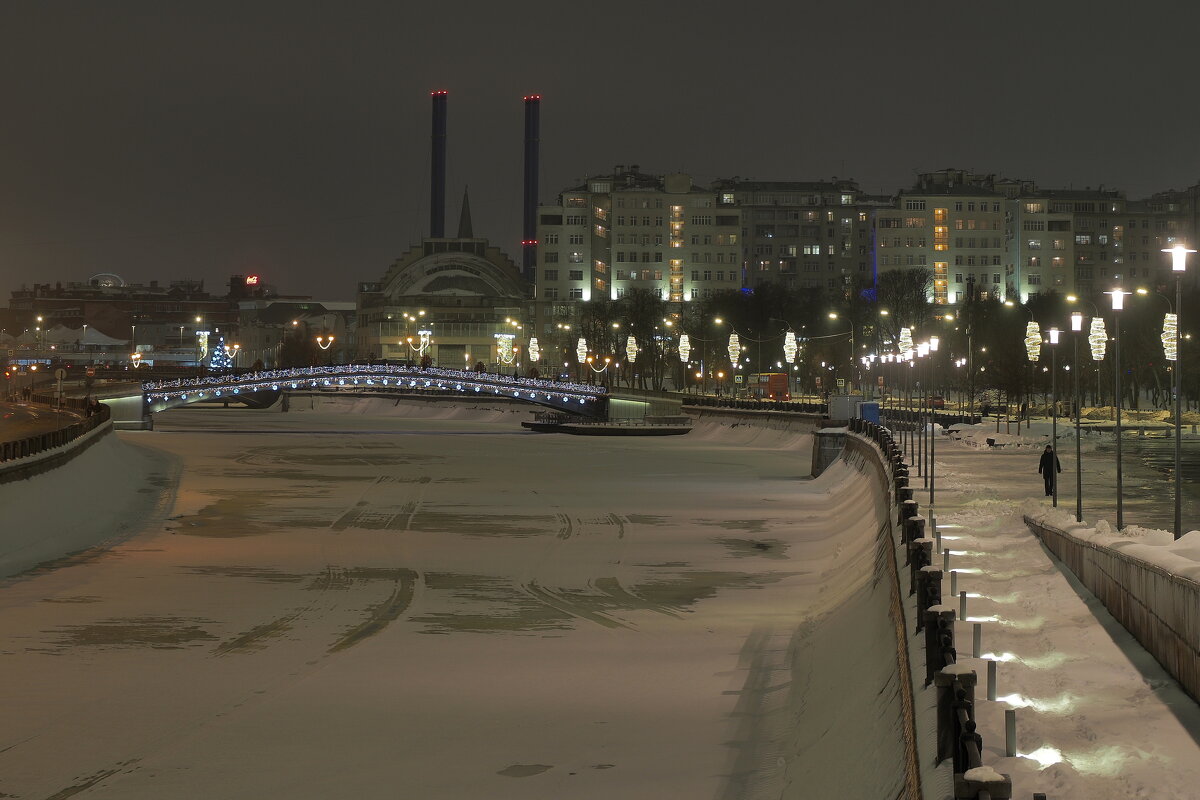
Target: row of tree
x: 836, y: 331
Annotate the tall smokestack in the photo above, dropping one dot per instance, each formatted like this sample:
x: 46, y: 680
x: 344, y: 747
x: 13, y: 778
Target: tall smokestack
x: 533, y: 105
x: 437, y: 169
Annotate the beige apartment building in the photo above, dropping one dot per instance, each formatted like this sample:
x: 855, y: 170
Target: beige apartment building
x: 631, y: 230
x: 953, y: 223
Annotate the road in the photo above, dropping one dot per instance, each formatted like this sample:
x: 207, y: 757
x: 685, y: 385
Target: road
x: 19, y: 420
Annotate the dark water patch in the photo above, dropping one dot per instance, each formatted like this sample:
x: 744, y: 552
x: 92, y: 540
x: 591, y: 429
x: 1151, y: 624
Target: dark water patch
x: 83, y: 598
x: 432, y: 519
x: 743, y: 525
x: 228, y: 517
x: 524, y: 770
x: 257, y: 637
x: 380, y: 615
x: 360, y: 454
x: 489, y: 605
x: 688, y: 588
x: 296, y: 476
x: 258, y: 574
x: 756, y: 548
x: 89, y: 556
x: 163, y: 633
x: 646, y: 519
x: 86, y: 783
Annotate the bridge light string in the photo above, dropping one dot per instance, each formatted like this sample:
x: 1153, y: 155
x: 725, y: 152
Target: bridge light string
x: 165, y: 391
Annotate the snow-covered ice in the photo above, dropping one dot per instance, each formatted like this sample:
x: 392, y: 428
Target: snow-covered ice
x: 362, y: 599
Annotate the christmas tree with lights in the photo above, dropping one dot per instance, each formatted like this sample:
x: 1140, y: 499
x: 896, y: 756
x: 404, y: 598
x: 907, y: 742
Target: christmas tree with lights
x: 221, y: 359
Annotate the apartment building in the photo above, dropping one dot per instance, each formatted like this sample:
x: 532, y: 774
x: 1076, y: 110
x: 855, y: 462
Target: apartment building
x: 814, y: 234
x: 631, y: 230
x: 953, y: 223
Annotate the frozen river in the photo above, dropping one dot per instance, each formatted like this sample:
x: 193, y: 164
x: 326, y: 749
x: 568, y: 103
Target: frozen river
x: 358, y: 600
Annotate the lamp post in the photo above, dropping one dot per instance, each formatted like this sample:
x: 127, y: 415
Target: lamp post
x: 1179, y: 255
x: 1118, y: 303
x: 1053, y: 333
x: 325, y: 343
x: 933, y: 348
x: 1077, y: 329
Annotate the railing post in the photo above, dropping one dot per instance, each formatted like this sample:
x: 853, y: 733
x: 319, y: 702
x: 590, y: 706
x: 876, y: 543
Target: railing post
x: 929, y: 592
x: 939, y: 639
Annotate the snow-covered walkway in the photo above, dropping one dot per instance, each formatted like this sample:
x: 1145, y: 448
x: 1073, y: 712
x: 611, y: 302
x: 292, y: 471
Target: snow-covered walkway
x: 1097, y: 716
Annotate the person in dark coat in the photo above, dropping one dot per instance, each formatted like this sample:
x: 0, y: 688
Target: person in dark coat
x: 1049, y: 467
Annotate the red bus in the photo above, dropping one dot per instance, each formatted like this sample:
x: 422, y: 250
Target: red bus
x: 769, y: 386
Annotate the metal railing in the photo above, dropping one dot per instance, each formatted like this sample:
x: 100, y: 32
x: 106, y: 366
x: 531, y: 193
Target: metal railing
x: 15, y: 449
x: 957, y: 736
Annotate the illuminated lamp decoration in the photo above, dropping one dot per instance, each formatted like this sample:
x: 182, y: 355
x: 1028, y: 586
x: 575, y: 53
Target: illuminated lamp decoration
x: 685, y: 348
x: 1098, y: 339
x: 581, y: 350
x: 906, y: 340
x: 504, y: 347
x: 1170, y: 336
x: 789, y: 347
x: 631, y: 349
x: 202, y: 343
x: 1033, y: 341
x: 535, y: 351
x: 734, y: 349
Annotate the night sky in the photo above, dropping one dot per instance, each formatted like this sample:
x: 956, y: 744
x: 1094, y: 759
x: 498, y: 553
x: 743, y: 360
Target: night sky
x: 163, y: 140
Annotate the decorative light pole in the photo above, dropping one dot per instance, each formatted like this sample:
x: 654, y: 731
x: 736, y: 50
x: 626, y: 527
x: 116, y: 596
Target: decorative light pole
x: 1053, y: 334
x: 933, y: 348
x: 1118, y: 303
x: 1077, y: 329
x: 1179, y: 255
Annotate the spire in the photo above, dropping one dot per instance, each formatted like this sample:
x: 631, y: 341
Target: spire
x: 464, y: 220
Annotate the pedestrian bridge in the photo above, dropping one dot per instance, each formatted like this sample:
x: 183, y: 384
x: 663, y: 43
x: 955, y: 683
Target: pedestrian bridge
x: 582, y: 399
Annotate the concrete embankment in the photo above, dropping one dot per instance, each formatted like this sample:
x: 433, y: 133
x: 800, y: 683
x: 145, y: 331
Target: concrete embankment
x: 849, y: 700
x: 91, y: 499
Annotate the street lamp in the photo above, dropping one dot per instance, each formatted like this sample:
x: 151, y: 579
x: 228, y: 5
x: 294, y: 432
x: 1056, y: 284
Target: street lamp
x: 1077, y: 329
x: 1118, y: 303
x: 1053, y: 332
x: 326, y: 342
x: 1179, y: 255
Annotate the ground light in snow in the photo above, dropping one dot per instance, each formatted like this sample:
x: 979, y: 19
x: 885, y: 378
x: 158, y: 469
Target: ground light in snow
x: 1044, y: 756
x: 1004, y: 599
x: 1107, y: 761
x: 1048, y: 661
x: 1024, y: 624
x: 1063, y: 704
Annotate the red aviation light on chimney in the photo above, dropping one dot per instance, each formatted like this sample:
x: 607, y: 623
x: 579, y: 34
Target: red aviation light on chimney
x: 437, y: 92
x: 529, y: 242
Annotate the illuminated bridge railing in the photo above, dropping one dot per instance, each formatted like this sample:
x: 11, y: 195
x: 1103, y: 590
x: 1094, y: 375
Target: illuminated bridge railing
x: 391, y: 376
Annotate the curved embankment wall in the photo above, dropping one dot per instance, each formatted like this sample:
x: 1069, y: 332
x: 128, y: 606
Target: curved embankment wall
x: 856, y: 734
x: 92, y: 494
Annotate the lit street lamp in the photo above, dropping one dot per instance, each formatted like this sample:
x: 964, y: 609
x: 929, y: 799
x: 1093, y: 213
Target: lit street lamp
x: 1053, y: 333
x: 1179, y: 255
x: 1077, y: 329
x: 1118, y: 303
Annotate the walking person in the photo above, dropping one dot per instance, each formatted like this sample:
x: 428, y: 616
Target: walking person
x: 1049, y: 467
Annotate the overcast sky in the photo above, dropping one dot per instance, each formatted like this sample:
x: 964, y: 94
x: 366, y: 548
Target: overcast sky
x: 168, y: 140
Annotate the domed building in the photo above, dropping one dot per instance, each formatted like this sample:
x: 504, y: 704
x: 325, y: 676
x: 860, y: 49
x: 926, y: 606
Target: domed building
x: 455, y: 301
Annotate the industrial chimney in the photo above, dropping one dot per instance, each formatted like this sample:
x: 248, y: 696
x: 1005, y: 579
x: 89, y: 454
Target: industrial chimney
x: 437, y: 168
x: 533, y: 105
